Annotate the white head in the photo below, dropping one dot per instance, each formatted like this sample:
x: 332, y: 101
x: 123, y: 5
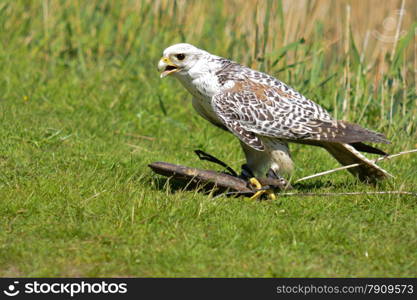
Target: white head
x: 179, y: 59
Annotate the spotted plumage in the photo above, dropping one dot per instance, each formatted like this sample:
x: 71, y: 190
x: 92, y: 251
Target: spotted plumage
x: 265, y: 113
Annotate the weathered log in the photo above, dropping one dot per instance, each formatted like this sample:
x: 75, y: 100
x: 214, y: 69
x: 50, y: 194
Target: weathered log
x: 209, y: 179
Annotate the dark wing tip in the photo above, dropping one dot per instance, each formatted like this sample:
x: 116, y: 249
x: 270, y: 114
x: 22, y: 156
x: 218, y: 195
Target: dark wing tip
x: 345, y: 132
x: 367, y: 148
x: 359, y: 134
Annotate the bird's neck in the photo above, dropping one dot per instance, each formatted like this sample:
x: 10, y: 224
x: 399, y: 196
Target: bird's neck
x: 201, y: 80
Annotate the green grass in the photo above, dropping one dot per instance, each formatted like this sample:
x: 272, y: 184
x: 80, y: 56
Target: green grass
x: 77, y: 198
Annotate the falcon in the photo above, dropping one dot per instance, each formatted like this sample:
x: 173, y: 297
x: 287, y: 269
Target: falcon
x: 265, y: 115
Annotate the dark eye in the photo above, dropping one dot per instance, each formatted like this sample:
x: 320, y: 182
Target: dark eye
x: 180, y: 56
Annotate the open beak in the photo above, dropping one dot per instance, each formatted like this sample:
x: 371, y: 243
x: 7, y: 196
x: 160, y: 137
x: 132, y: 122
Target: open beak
x: 166, y: 67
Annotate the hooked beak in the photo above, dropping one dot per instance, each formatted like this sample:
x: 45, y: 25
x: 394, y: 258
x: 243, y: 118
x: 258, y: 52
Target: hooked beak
x: 166, y: 67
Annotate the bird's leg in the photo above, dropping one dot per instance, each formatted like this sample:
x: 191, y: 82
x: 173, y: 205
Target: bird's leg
x: 246, y: 172
x: 260, y: 191
x: 248, y: 175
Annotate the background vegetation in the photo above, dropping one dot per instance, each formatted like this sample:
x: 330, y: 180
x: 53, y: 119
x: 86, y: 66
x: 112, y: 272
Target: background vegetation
x: 83, y: 112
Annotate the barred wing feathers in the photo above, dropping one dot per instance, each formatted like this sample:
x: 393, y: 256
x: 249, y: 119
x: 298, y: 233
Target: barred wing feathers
x: 251, y: 108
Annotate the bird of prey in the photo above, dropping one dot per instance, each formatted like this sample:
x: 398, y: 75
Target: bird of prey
x: 265, y: 114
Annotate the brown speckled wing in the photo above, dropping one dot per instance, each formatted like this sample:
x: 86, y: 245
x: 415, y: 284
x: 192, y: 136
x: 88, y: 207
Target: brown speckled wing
x: 259, y: 106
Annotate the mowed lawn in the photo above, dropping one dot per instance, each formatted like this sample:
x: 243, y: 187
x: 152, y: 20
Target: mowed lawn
x: 83, y: 112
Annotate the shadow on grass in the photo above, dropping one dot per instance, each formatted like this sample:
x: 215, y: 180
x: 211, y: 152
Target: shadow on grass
x: 174, y: 186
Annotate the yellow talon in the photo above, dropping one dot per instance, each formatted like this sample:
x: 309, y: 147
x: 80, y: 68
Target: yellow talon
x: 271, y: 195
x: 255, y: 183
x: 257, y: 195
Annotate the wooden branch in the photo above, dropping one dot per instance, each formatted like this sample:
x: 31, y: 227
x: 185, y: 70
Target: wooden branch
x: 210, y: 180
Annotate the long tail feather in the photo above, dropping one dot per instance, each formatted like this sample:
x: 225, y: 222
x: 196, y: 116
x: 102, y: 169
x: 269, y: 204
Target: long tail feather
x: 346, y: 154
x: 344, y: 132
x: 368, y: 149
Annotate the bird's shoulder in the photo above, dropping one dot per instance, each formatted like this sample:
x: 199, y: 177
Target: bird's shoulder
x: 244, y: 84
